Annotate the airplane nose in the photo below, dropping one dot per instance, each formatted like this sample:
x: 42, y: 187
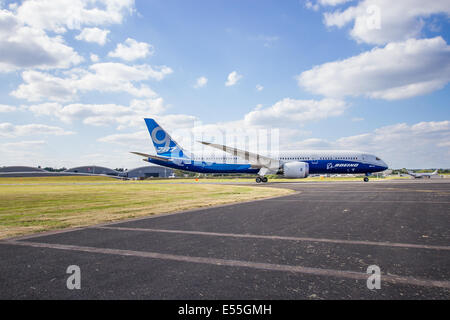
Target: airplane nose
x: 384, y: 165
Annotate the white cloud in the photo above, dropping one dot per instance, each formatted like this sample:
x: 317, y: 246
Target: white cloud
x: 444, y: 144
x: 9, y: 130
x: 102, y: 77
x: 94, y: 58
x: 201, y: 82
x: 58, y: 16
x: 132, y: 50
x: 26, y: 47
x: 90, y: 113
x: 39, y: 85
x: 295, y: 112
x: 383, y: 21
x: 25, y: 43
x: 102, y: 114
x: 311, y: 143
x: 333, y: 2
x: 312, y: 6
x: 26, y: 152
x: 259, y: 87
x: 397, y: 71
x: 27, y: 144
x: 95, y: 35
x: 141, y: 137
x: 6, y: 108
x: 315, y: 6
x: 233, y: 78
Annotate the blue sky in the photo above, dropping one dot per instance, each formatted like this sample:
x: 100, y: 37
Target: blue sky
x: 77, y: 77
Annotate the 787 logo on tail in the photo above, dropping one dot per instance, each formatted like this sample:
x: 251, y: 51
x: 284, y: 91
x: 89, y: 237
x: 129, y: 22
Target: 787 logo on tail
x: 167, y: 149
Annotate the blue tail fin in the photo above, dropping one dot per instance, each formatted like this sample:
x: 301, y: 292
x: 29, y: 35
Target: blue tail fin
x: 165, y: 146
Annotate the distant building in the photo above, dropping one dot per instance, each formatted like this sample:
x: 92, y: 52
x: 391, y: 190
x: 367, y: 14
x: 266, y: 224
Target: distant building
x: 20, y: 169
x: 137, y: 173
x: 93, y: 170
x: 147, y: 172
x: 23, y: 171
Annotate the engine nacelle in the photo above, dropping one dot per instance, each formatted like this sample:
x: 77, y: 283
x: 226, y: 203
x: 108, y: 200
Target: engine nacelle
x: 296, y: 170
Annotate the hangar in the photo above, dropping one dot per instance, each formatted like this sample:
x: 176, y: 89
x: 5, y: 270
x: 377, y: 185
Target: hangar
x: 93, y: 170
x: 136, y: 173
x: 147, y: 172
x: 21, y: 169
x: 24, y: 171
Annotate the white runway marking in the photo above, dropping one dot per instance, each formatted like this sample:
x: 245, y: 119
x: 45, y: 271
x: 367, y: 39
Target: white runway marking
x: 305, y: 239
x: 358, y: 201
x: 407, y: 280
x: 389, y: 190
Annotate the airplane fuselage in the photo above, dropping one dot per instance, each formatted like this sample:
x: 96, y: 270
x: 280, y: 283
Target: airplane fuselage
x: 320, y: 162
x: 422, y: 175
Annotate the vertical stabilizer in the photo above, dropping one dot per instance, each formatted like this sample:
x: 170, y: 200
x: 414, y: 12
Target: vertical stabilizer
x: 165, y: 146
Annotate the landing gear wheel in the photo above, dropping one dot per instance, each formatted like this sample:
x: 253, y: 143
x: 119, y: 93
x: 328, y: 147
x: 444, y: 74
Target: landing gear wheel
x: 258, y: 180
x: 366, y: 179
x: 264, y: 179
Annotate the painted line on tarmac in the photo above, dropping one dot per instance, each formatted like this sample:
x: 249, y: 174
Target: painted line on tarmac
x: 303, y: 239
x: 387, y: 190
x: 359, y: 201
x: 406, y: 280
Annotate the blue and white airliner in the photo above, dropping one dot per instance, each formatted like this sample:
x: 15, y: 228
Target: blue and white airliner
x: 291, y: 164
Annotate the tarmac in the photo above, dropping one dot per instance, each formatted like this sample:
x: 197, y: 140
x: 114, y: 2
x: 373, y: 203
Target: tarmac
x: 315, y: 244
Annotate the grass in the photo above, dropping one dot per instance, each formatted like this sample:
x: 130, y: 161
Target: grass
x: 29, y: 205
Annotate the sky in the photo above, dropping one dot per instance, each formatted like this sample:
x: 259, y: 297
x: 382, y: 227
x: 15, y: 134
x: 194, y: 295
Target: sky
x: 77, y: 77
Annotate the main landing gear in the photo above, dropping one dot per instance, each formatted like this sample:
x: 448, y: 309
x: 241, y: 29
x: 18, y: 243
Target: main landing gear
x: 261, y: 179
x: 366, y: 179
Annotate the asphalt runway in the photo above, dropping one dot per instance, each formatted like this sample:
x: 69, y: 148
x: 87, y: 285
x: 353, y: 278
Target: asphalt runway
x: 314, y: 244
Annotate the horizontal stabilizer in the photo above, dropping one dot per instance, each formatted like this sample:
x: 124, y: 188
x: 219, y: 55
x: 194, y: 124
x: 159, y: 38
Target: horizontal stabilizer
x: 151, y: 156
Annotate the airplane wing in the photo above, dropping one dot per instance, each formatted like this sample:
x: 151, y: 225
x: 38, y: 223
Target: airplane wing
x: 265, y: 164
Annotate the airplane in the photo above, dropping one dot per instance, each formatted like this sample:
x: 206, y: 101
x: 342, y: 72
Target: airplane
x: 291, y: 164
x: 418, y: 175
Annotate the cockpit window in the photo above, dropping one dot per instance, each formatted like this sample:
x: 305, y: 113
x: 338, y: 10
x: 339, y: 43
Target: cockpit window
x: 377, y: 158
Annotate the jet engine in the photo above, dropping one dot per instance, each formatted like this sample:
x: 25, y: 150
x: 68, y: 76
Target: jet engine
x: 296, y: 170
